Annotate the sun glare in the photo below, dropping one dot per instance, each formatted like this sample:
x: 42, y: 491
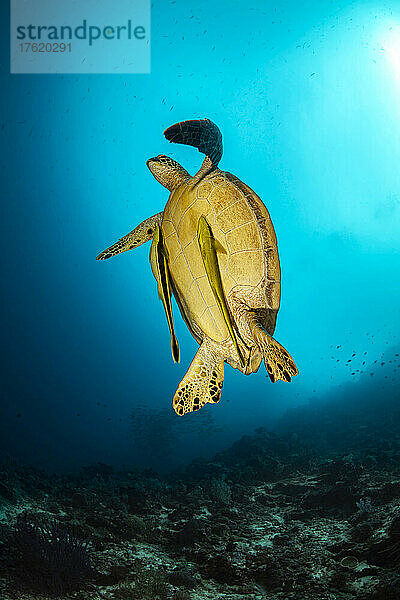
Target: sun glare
x: 391, y: 47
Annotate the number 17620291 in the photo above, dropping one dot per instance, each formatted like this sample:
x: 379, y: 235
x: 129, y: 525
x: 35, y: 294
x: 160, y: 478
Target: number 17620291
x: 45, y: 47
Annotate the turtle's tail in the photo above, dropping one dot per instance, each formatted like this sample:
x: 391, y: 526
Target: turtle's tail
x: 200, y: 133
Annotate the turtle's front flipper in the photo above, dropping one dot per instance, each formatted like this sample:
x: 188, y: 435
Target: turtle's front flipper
x: 159, y: 265
x: 277, y: 360
x: 138, y: 236
x: 202, y: 383
x: 208, y: 249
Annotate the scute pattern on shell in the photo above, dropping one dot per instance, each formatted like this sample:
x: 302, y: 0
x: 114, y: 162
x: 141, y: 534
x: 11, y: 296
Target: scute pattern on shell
x: 251, y: 257
x: 267, y: 232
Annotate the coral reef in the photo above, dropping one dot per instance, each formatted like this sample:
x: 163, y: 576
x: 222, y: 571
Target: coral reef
x: 269, y: 518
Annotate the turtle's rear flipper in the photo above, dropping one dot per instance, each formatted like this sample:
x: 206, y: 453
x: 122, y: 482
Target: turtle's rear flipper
x: 277, y: 360
x: 202, y: 383
x: 140, y: 235
x: 200, y: 133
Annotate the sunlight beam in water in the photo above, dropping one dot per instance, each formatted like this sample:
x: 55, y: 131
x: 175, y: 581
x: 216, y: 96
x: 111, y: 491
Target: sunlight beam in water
x: 391, y: 47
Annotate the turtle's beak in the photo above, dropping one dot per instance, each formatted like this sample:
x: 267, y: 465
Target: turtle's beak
x: 156, y: 159
x: 160, y: 167
x: 155, y: 165
x: 151, y: 160
x: 167, y: 171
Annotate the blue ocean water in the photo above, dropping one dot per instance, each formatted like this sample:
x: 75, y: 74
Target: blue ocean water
x: 307, y: 98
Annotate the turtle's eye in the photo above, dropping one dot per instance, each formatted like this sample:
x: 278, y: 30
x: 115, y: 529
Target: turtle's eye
x: 150, y: 232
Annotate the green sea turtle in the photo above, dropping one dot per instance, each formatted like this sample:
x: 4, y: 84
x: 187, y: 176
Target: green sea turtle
x: 214, y: 248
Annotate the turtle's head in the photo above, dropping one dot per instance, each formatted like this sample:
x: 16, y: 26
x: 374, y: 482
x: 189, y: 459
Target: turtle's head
x: 167, y: 171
